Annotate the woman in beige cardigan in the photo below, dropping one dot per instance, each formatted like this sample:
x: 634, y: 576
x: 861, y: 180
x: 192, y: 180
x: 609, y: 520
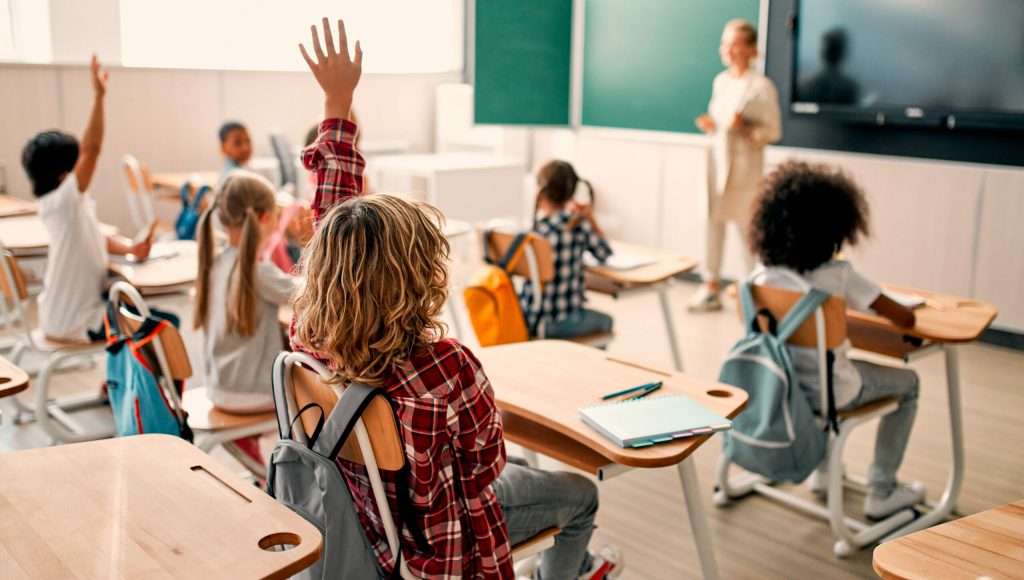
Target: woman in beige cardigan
x: 743, y: 116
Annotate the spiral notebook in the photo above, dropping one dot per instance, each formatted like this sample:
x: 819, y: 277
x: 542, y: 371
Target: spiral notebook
x: 643, y: 422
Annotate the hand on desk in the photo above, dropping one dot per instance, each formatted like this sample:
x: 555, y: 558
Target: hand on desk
x: 894, y: 311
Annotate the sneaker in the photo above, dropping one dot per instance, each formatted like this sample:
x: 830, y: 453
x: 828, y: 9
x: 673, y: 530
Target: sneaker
x: 904, y: 496
x: 607, y: 565
x: 704, y: 301
x: 818, y: 483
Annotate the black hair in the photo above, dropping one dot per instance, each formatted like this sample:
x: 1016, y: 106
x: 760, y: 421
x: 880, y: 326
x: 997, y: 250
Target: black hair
x: 227, y: 128
x: 804, y: 215
x: 557, y: 182
x: 46, y: 157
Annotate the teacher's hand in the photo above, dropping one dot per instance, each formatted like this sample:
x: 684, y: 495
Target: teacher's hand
x: 705, y: 123
x: 741, y: 125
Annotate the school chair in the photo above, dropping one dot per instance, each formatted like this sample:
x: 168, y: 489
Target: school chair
x: 824, y: 332
x: 211, y: 426
x: 539, y: 268
x: 286, y: 158
x: 377, y: 444
x: 46, y: 411
x: 138, y: 192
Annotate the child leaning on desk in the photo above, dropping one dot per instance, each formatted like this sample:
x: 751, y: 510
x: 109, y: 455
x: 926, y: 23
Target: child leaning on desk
x: 572, y: 230
x: 802, y: 218
x: 61, y: 171
x: 237, y: 299
x: 375, y: 282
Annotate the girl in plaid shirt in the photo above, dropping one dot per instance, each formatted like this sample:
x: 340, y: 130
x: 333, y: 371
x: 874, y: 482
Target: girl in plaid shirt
x: 376, y: 281
x: 571, y: 230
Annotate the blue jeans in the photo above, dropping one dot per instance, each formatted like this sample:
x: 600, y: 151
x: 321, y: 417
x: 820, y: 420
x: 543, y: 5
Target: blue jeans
x: 880, y: 382
x: 579, y: 323
x: 534, y: 500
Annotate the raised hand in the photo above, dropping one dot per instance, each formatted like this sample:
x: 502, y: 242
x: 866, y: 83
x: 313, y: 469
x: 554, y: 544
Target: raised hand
x: 99, y: 77
x: 335, y: 71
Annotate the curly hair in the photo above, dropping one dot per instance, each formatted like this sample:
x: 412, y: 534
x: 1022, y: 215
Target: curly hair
x: 804, y: 214
x: 376, y: 279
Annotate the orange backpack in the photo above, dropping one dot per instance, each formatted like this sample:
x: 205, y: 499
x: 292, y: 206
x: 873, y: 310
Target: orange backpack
x: 491, y: 297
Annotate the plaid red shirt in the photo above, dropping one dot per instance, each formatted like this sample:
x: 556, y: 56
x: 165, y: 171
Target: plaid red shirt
x: 447, y: 419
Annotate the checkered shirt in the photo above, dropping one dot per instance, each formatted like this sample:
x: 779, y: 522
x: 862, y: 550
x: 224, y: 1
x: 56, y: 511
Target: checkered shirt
x: 563, y: 295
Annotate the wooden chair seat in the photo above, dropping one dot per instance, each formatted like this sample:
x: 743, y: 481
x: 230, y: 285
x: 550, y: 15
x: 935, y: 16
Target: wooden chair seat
x: 203, y: 416
x: 543, y: 540
x: 868, y: 408
x: 595, y: 339
x: 51, y: 345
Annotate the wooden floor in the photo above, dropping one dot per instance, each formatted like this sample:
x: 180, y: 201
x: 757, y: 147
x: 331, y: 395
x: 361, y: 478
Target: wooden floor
x: 643, y: 513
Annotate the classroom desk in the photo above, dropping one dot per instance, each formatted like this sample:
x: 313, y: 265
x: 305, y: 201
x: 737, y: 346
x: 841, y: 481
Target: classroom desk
x: 989, y: 544
x: 941, y: 324
x: 26, y: 235
x: 654, y: 277
x: 13, y: 380
x: 142, y: 506
x: 164, y: 273
x: 11, y: 206
x: 169, y: 183
x: 540, y: 385
x: 468, y: 186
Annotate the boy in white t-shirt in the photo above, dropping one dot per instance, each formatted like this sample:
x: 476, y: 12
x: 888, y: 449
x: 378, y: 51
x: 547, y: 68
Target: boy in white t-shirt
x: 71, y: 304
x: 804, y: 215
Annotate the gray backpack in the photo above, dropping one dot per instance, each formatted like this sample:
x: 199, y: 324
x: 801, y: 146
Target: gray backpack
x: 777, y: 435
x: 305, y: 478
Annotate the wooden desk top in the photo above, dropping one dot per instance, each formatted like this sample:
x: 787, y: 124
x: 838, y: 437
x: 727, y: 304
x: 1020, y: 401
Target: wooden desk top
x: 669, y: 264
x: 142, y: 506
x: 540, y: 386
x: 13, y: 380
x: 989, y: 544
x: 27, y: 233
x: 943, y: 318
x: 178, y: 270
x: 11, y: 206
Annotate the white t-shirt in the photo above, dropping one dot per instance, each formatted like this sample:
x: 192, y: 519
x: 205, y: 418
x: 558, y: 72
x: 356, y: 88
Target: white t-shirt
x: 237, y: 368
x: 76, y: 266
x: 838, y: 278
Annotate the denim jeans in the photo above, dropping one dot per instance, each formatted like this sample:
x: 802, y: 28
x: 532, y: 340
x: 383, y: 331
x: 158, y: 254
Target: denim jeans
x: 579, y: 323
x: 534, y: 500
x: 880, y: 382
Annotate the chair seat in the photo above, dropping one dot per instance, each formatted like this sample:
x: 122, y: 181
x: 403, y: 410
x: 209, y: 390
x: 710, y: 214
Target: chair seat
x: 203, y: 416
x: 868, y: 408
x: 47, y: 344
x: 542, y: 541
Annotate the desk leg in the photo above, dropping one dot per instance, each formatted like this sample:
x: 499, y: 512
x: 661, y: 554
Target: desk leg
x: 951, y: 494
x: 670, y: 326
x: 698, y: 519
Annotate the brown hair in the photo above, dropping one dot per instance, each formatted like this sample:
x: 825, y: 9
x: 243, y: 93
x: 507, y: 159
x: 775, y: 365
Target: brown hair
x: 748, y: 30
x: 242, y: 198
x: 557, y: 182
x: 376, y: 281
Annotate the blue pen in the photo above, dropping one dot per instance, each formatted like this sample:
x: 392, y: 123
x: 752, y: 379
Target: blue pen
x: 645, y: 392
x: 631, y: 390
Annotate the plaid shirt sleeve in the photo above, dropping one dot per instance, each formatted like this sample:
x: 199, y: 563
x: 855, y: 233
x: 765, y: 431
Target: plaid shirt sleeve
x: 337, y: 164
x: 477, y: 429
x: 596, y: 245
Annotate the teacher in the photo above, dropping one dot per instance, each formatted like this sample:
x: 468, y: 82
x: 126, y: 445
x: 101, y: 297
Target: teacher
x: 743, y: 117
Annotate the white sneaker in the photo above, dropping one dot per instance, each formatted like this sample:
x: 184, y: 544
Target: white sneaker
x: 818, y: 482
x: 904, y: 496
x: 704, y: 301
x: 607, y: 565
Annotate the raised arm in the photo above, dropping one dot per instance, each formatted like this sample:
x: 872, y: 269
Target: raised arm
x: 332, y: 156
x: 92, y: 139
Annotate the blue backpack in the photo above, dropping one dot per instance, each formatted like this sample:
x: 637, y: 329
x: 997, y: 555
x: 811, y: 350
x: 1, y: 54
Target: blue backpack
x: 185, y: 225
x: 138, y: 403
x: 777, y: 435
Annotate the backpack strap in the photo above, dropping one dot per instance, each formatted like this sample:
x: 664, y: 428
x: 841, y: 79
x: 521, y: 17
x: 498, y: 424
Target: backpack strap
x: 747, y: 307
x: 512, y: 254
x: 799, y: 313
x: 184, y: 193
x: 199, y: 196
x: 115, y: 340
x: 339, y: 424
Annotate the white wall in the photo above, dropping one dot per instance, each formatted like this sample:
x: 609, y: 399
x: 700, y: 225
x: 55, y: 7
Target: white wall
x: 945, y: 227
x: 168, y: 119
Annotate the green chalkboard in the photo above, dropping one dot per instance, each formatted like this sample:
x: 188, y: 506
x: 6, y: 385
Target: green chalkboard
x: 522, y: 61
x: 649, y: 64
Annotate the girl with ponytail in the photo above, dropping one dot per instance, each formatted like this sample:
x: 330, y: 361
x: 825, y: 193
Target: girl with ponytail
x: 572, y: 230
x: 237, y: 298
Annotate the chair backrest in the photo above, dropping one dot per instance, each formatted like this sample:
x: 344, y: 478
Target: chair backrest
x: 137, y: 189
x: 378, y: 417
x: 500, y: 241
x: 779, y: 301
x: 283, y: 152
x: 13, y: 296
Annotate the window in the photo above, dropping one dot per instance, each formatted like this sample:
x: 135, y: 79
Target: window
x: 398, y: 36
x: 25, y: 31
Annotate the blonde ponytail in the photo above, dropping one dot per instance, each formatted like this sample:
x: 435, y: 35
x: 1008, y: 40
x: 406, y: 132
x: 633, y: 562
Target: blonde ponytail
x: 242, y: 291
x: 201, y: 311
